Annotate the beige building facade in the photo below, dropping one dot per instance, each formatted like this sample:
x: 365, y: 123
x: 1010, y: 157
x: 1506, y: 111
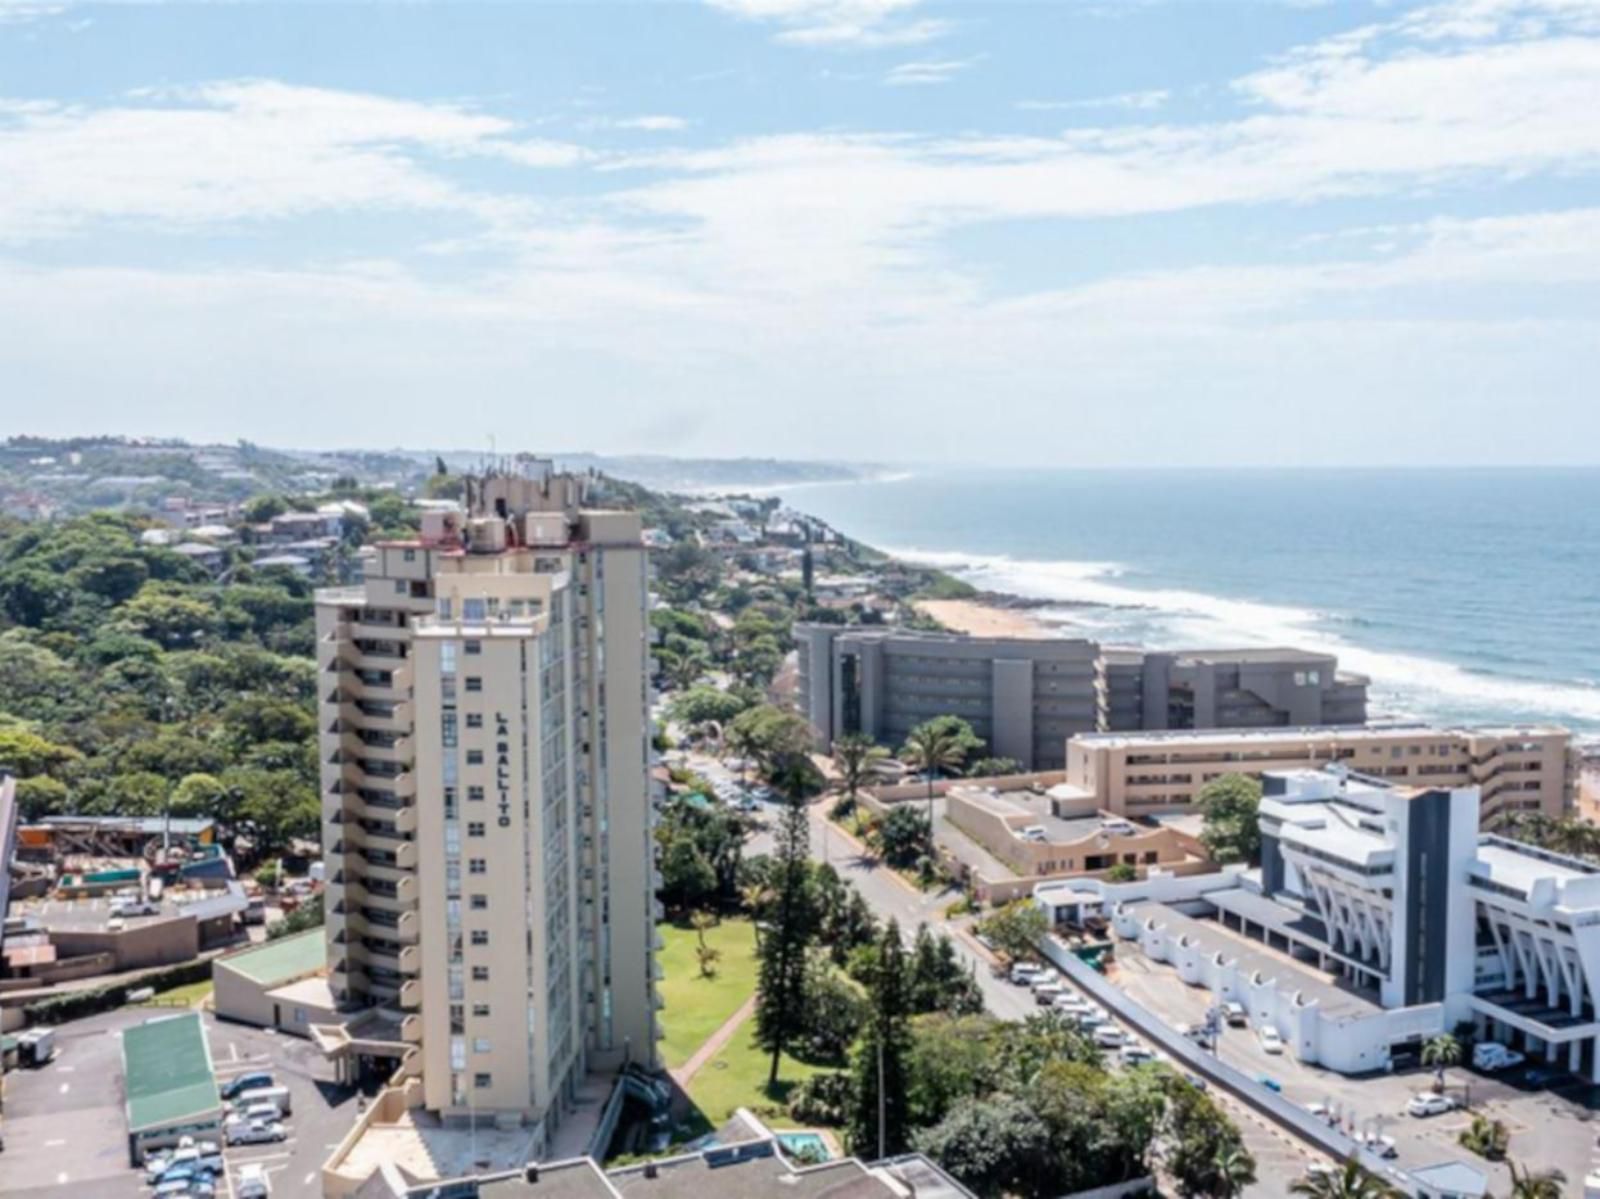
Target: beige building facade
x: 1517, y: 769
x: 488, y: 821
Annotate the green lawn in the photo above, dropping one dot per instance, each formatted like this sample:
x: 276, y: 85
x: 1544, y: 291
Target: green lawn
x: 696, y: 1007
x: 185, y: 996
x: 737, y: 1077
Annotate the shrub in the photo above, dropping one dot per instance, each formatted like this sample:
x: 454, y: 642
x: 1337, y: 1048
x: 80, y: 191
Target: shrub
x: 822, y: 1099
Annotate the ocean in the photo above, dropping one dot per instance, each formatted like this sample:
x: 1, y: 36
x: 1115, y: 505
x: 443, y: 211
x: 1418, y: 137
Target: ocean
x: 1468, y: 596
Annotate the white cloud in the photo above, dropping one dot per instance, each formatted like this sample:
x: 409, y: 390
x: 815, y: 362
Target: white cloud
x: 855, y: 24
x: 243, y: 150
x: 1143, y: 101
x: 908, y: 74
x: 648, y: 123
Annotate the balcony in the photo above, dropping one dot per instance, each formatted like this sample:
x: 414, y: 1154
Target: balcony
x: 411, y: 995
x: 411, y: 960
x: 411, y: 1029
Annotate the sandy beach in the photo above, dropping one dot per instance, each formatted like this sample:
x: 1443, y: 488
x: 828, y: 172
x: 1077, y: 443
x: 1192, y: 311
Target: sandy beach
x: 984, y: 620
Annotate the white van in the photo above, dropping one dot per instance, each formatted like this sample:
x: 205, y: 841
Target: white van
x: 278, y: 1097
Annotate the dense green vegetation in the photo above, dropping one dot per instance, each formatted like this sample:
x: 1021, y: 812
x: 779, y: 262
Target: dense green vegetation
x: 131, y: 683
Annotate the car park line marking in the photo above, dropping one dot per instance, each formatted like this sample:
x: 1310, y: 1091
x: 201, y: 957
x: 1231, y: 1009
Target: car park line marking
x: 53, y: 1144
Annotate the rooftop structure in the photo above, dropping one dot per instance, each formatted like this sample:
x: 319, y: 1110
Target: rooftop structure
x: 280, y: 961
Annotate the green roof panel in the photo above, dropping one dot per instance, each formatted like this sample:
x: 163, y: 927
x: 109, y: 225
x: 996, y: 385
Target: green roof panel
x: 166, y: 1065
x: 281, y: 961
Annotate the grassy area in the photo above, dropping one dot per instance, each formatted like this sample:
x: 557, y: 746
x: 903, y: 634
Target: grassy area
x: 737, y: 1077
x: 184, y: 996
x: 696, y: 1007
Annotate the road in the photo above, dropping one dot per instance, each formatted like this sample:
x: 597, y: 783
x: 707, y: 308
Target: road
x: 1280, y: 1160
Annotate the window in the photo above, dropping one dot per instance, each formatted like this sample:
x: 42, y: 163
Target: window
x: 472, y: 609
x: 480, y: 1045
x: 480, y: 974
x: 474, y: 647
x: 411, y: 555
x: 483, y: 1081
x: 474, y: 757
x: 474, y: 794
x: 474, y: 828
x: 474, y: 720
x: 474, y: 683
x: 477, y: 866
x: 480, y: 903
x: 480, y: 936
x: 480, y: 1009
x: 400, y: 587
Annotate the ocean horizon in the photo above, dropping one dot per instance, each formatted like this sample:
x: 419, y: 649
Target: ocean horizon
x: 1468, y: 595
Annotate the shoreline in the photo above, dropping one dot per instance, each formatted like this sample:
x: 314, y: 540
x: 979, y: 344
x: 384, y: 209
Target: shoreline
x: 980, y: 617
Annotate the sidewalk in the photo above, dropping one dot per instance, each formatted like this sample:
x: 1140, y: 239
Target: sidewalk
x: 714, y: 1044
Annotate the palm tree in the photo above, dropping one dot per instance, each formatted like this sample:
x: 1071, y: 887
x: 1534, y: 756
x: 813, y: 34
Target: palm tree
x: 931, y: 747
x: 1350, y: 1182
x: 1236, y: 1169
x: 1440, y: 1052
x: 854, y: 756
x: 685, y: 671
x: 1525, y: 1184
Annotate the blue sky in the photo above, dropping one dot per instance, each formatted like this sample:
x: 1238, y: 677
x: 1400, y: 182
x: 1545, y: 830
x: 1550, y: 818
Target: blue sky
x: 1122, y: 232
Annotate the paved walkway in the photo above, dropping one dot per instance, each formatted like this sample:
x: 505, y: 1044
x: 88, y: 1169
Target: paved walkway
x: 714, y: 1044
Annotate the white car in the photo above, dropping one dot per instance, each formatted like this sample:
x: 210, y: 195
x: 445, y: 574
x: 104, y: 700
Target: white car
x: 254, y: 1132
x: 1046, y: 977
x: 1070, y: 1003
x: 1271, y: 1041
x: 1429, y: 1103
x: 1023, y: 973
x: 1109, y: 1036
x: 1321, y: 1111
x: 1135, y: 1054
x: 1047, y: 994
x: 252, y: 1182
x: 1491, y: 1055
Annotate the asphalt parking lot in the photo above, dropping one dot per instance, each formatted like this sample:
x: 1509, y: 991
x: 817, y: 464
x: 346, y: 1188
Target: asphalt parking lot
x: 1547, y: 1128
x: 65, y: 1129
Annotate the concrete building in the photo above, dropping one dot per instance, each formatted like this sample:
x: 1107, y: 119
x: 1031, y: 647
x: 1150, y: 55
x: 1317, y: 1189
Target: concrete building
x: 1023, y: 697
x: 1228, y: 689
x: 1517, y: 769
x: 1382, y: 916
x: 1026, y: 696
x: 278, y: 984
x: 485, y: 742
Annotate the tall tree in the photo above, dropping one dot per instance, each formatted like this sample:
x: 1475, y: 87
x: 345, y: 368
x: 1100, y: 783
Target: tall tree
x: 854, y: 756
x: 1525, y: 1184
x: 879, y: 1124
x: 781, y: 980
x: 934, y: 748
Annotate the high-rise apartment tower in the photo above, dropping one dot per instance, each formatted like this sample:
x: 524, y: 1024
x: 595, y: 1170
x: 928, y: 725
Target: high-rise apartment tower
x: 487, y: 812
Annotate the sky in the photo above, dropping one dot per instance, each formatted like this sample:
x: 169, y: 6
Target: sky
x: 1067, y: 232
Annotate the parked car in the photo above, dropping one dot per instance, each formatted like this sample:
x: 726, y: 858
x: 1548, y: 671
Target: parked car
x: 1322, y: 1112
x: 1272, y: 1084
x: 1091, y: 1020
x: 252, y: 1182
x: 1430, y: 1103
x: 1047, y: 977
x: 253, y: 1081
x: 1047, y: 994
x: 1023, y: 973
x: 186, y: 1188
x: 1235, y: 1014
x: 1070, y: 1003
x: 1491, y: 1055
x: 259, y: 1113
x: 1109, y: 1036
x: 1271, y: 1041
x: 1135, y: 1054
x: 253, y: 1132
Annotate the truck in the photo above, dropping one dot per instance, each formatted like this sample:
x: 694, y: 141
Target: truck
x: 36, y: 1047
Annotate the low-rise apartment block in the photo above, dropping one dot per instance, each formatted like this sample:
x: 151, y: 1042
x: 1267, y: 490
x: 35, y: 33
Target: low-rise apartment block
x: 491, y: 886
x: 1026, y: 696
x: 1517, y: 769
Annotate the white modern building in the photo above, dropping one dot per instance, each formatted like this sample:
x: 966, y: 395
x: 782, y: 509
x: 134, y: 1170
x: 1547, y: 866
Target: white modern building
x: 1381, y: 916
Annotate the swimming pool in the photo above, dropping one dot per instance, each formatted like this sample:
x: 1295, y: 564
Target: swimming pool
x: 808, y: 1145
